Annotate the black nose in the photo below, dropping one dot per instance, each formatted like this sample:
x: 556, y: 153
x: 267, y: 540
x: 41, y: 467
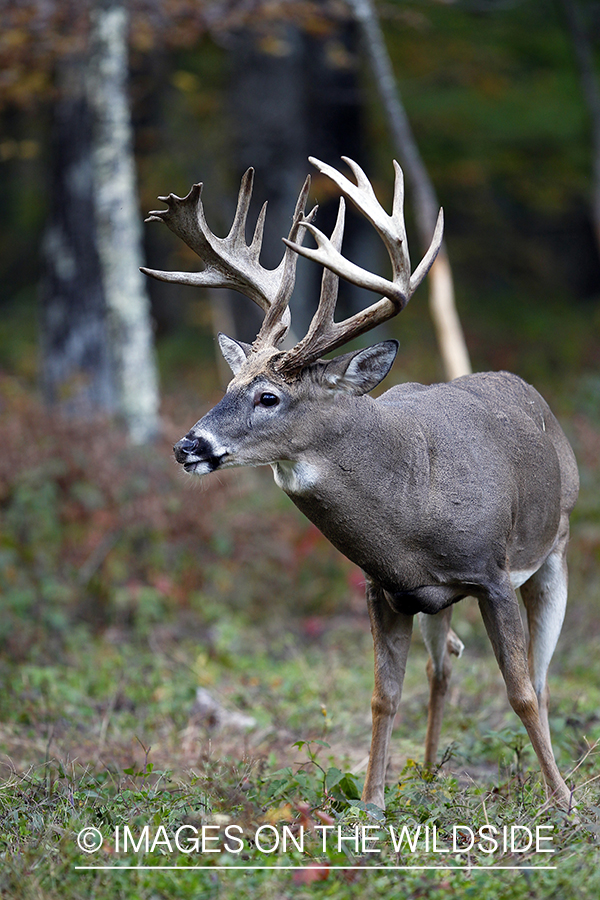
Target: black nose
x: 185, y: 447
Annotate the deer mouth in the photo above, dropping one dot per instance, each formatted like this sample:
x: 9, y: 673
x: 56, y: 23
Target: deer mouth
x: 203, y: 466
x: 191, y: 468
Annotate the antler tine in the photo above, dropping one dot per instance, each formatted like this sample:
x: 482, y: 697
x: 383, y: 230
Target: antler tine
x: 257, y: 239
x: 328, y: 335
x: 237, y: 232
x: 428, y: 260
x: 230, y: 262
x: 322, y: 322
x: 330, y: 282
x: 270, y: 332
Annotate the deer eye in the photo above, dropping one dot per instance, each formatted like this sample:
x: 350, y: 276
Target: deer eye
x: 267, y: 399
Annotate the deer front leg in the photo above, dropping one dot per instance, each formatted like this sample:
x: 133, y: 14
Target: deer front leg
x: 505, y: 629
x: 391, y: 639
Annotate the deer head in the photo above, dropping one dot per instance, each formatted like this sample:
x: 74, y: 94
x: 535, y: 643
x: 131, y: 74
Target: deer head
x: 270, y: 385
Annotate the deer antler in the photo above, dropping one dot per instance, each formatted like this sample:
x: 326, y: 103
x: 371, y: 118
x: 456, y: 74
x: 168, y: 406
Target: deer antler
x: 324, y: 334
x: 232, y: 263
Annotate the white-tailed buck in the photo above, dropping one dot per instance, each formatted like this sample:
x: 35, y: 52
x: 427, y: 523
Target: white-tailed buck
x: 437, y: 492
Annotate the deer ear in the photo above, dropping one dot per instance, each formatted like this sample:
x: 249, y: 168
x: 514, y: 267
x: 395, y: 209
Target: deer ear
x: 235, y: 352
x: 359, y: 372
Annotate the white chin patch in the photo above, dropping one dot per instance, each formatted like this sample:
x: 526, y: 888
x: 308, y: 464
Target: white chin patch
x: 197, y: 468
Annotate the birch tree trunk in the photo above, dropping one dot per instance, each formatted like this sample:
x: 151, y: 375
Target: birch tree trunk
x: 76, y: 368
x: 118, y: 224
x: 449, y: 332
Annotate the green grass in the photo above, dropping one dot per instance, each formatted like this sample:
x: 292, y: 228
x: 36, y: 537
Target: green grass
x: 107, y: 738
x: 124, y: 592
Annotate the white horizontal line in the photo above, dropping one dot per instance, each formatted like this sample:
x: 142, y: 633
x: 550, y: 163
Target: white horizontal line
x: 318, y: 867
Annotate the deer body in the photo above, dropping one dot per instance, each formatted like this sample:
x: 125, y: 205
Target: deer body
x: 386, y: 494
x: 437, y: 493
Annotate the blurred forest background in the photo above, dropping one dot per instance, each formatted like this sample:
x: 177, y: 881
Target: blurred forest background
x: 105, y: 551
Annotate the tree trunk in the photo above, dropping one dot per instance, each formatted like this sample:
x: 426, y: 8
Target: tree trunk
x: 118, y: 224
x: 441, y: 298
x: 267, y: 112
x: 591, y: 93
x: 76, y: 370
x: 294, y: 95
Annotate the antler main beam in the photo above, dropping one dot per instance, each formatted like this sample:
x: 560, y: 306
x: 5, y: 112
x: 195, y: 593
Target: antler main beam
x: 324, y: 334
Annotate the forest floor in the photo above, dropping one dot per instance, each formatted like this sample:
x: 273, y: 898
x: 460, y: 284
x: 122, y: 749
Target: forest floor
x: 187, y: 663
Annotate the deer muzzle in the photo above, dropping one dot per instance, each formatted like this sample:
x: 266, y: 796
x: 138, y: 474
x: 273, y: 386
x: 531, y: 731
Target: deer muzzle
x: 197, y: 455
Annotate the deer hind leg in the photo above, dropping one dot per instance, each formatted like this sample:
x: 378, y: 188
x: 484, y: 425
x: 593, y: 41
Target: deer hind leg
x: 505, y: 629
x: 391, y: 639
x: 441, y: 642
x: 545, y: 599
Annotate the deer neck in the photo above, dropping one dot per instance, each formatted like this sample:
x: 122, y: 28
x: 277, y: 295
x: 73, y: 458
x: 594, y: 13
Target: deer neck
x: 346, y: 489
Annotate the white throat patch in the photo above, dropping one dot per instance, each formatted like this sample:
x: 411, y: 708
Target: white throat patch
x: 295, y: 477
